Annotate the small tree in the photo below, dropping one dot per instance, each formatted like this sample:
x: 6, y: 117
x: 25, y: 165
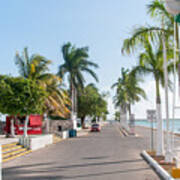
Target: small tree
x: 100, y: 109
x: 21, y: 97
x: 117, y: 115
x: 91, y: 103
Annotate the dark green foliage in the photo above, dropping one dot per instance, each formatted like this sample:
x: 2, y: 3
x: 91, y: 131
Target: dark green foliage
x: 33, y: 67
x: 56, y: 118
x: 75, y: 63
x: 128, y: 90
x: 117, y: 116
x: 91, y: 103
x: 19, y: 96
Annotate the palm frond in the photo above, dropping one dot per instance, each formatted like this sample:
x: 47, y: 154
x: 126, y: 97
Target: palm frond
x: 92, y: 73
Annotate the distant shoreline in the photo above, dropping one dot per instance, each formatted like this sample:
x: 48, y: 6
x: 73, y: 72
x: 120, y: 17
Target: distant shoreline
x: 163, y: 119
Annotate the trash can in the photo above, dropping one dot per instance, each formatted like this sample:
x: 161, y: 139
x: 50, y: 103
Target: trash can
x: 72, y: 133
x: 79, y: 125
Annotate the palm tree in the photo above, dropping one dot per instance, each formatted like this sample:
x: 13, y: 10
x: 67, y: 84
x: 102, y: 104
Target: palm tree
x: 117, y: 116
x: 127, y: 90
x: 35, y: 68
x: 151, y: 62
x: 121, y: 99
x: 75, y: 63
x: 142, y: 38
x: 135, y: 92
x: 156, y: 9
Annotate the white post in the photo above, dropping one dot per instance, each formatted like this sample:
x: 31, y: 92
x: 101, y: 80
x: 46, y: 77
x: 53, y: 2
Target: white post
x: 73, y: 111
x: 160, y: 134
x: 168, y: 156
x: 26, y: 126
x: 174, y: 90
x: 74, y: 120
x: 47, y: 123
x: 132, y: 124
x: 47, y: 126
x: 124, y: 121
x: 12, y: 128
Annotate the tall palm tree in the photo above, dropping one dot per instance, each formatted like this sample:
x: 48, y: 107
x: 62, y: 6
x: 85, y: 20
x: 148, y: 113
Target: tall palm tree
x: 128, y: 90
x: 156, y: 9
x: 75, y: 63
x: 144, y: 37
x: 121, y: 99
x: 35, y: 67
x: 151, y: 62
x: 135, y: 92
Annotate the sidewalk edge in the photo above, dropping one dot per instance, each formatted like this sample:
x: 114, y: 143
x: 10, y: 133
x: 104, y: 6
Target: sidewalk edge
x: 158, y: 169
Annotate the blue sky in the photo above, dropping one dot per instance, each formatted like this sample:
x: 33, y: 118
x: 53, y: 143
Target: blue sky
x: 45, y: 25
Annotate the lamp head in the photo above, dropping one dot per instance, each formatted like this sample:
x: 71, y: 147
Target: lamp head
x: 173, y: 6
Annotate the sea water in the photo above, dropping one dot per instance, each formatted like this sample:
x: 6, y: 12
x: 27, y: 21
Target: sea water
x: 146, y: 123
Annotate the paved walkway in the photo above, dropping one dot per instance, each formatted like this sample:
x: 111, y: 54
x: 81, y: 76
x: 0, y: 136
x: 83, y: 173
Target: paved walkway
x: 98, y: 156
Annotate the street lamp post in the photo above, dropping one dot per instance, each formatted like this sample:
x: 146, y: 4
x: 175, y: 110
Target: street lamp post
x: 168, y: 156
x: 173, y: 7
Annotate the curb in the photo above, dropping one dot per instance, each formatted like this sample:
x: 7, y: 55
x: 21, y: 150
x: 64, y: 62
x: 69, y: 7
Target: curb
x: 159, y: 170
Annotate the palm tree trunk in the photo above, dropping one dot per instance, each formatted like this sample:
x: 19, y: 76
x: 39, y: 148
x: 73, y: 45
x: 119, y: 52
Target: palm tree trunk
x: 177, y: 36
x: 158, y: 97
x: 124, y: 116
x: 72, y: 97
x: 82, y: 122
x: 26, y: 126
x: 73, y: 114
x: 129, y: 108
x: 160, y: 139
x: 12, y: 127
x: 47, y: 123
x: 75, y: 100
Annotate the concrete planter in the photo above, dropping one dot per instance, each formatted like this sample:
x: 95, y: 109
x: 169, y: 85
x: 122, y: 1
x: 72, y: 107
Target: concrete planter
x: 36, y: 142
x: 160, y: 171
x: 24, y: 141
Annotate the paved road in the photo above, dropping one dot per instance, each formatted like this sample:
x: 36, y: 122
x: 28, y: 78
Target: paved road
x: 98, y: 156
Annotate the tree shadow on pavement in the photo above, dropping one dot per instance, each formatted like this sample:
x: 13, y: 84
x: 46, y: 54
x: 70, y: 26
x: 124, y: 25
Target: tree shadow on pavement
x: 106, y: 173
x: 38, y: 171
x: 35, y: 178
x: 101, y: 163
x: 99, y: 157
